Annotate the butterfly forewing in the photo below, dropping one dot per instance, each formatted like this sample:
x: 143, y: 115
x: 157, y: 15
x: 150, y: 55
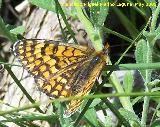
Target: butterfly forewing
x: 51, y: 63
x: 60, y: 69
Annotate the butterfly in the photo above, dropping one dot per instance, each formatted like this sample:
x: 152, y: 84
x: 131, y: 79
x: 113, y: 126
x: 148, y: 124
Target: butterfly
x: 61, y: 69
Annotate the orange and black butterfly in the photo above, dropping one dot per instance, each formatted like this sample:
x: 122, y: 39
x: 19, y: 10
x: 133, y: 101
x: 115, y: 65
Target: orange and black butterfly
x: 60, y: 69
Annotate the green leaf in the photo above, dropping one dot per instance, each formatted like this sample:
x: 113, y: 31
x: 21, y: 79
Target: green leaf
x: 152, y: 37
x: 128, y: 81
x: 50, y: 5
x: 93, y: 33
x: 149, y: 35
x: 18, y: 30
x: 108, y: 121
x: 158, y: 113
x: 143, y: 54
x: 95, y: 102
x: 157, y: 30
x: 91, y: 116
x: 45, y: 4
x: 156, y: 123
x: 130, y: 116
x: 98, y: 13
x: 5, y: 32
x: 154, y: 83
x: 65, y: 122
x: 3, y: 125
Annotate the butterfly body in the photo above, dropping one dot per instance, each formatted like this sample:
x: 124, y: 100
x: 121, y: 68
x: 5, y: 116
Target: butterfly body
x: 60, y: 69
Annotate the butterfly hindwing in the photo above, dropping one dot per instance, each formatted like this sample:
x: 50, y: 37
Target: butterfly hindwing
x: 84, y: 81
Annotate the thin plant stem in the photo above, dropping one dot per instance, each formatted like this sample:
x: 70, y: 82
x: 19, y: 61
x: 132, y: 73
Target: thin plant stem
x: 155, y: 16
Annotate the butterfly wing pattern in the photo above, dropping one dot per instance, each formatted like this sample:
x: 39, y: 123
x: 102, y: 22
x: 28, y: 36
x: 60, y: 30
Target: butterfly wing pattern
x: 60, y: 69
